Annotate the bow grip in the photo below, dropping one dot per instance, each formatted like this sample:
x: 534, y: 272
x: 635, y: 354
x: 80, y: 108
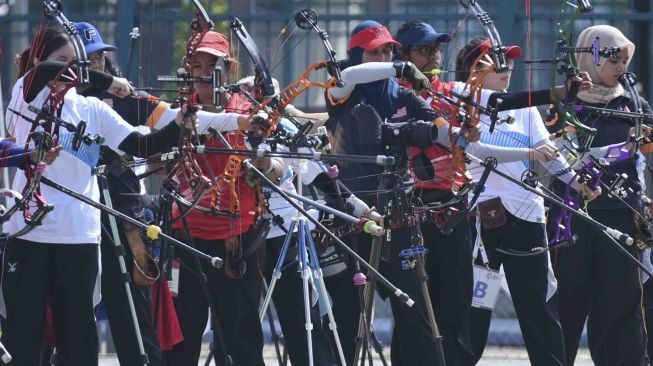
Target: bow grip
x: 333, y: 68
x: 77, y: 137
x: 572, y: 92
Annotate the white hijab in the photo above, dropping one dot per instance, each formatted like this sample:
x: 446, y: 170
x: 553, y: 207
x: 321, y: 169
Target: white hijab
x: 609, y: 36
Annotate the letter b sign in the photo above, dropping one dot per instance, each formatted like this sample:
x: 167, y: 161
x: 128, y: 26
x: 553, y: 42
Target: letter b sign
x: 480, y: 289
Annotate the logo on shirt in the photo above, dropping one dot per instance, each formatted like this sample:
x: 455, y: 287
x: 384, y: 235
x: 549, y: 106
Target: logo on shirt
x: 12, y: 267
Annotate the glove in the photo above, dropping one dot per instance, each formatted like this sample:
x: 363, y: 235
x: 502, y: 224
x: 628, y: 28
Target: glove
x: 410, y: 72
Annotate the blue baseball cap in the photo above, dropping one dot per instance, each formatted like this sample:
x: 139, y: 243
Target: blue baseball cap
x: 422, y: 34
x: 91, y: 38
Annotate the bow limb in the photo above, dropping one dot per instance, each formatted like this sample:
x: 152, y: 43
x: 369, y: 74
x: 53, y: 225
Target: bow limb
x: 564, y: 117
x: 275, y: 109
x: 498, y: 51
x: 467, y: 113
x: 307, y: 18
x: 263, y: 78
x: 628, y: 81
x: 273, y: 104
x: 52, y: 10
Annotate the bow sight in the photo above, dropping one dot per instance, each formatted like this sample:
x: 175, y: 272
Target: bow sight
x: 562, y: 50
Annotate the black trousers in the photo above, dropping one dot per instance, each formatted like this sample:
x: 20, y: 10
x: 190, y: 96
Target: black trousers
x: 288, y: 298
x: 118, y: 313
x: 599, y: 284
x: 236, y: 303
x: 529, y: 281
x: 412, y: 341
x: 449, y: 268
x: 31, y: 272
x: 648, y: 315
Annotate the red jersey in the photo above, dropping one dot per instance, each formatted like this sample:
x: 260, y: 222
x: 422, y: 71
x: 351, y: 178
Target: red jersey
x: 209, y: 227
x: 441, y: 160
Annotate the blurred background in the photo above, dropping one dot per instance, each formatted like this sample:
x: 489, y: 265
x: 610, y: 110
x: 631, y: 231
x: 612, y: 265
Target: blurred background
x: 163, y: 28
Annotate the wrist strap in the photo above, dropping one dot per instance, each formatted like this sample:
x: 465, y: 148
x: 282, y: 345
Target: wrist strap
x: 399, y: 68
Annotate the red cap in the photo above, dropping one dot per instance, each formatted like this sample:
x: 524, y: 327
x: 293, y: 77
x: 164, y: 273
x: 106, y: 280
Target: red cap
x: 371, y: 38
x: 511, y: 51
x: 214, y: 44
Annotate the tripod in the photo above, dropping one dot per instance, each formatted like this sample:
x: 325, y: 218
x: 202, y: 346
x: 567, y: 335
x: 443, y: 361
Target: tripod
x: 119, y: 249
x: 397, y: 213
x: 400, y: 220
x: 365, y: 337
x: 366, y: 224
x: 309, y: 267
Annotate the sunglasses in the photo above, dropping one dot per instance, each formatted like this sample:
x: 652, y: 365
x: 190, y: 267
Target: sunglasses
x: 427, y: 51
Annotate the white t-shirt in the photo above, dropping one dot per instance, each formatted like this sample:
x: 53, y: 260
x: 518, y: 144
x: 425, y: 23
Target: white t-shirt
x: 526, y: 132
x: 71, y: 221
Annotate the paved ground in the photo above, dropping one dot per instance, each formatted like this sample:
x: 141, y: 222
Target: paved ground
x: 494, y: 356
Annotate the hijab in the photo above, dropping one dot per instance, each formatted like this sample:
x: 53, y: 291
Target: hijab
x: 380, y: 94
x: 609, y: 36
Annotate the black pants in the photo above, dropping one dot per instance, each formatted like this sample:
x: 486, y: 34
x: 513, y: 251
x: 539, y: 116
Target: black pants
x: 648, y: 315
x: 412, y: 341
x: 236, y: 304
x: 449, y: 268
x: 118, y: 313
x: 529, y: 282
x: 599, y: 284
x: 288, y: 300
x: 31, y: 272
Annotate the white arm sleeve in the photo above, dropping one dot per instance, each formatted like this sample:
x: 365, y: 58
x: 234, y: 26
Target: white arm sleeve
x: 503, y: 154
x: 361, y: 74
x: 219, y: 121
